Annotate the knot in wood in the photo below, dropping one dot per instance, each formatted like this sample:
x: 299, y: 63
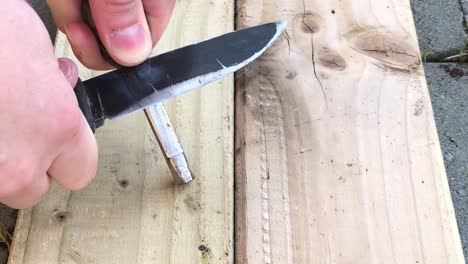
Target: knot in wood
x: 332, y: 60
x: 123, y: 183
x: 390, y: 49
x: 307, y: 22
x: 310, y: 23
x: 61, y: 216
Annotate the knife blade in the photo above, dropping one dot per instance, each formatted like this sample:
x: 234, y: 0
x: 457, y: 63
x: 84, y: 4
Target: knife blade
x: 160, y: 78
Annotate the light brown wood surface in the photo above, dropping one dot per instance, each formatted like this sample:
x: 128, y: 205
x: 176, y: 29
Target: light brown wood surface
x: 337, y: 155
x: 132, y: 212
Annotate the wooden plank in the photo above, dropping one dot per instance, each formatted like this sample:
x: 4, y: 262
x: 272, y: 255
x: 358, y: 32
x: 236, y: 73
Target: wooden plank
x: 337, y: 155
x: 132, y: 212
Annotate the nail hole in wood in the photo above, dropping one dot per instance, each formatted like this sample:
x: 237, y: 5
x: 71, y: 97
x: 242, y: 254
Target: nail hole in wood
x: 123, y: 183
x: 202, y: 248
x: 60, y: 216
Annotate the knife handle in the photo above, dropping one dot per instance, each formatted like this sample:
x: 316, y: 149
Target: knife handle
x: 90, y: 106
x: 89, y: 100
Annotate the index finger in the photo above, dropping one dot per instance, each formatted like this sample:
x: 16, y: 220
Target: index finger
x: 67, y: 17
x: 158, y: 14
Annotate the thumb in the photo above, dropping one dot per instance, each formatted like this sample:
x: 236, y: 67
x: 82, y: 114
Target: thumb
x: 69, y: 70
x: 123, y: 29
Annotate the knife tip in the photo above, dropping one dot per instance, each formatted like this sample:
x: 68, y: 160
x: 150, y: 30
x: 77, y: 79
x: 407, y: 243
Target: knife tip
x: 281, y: 25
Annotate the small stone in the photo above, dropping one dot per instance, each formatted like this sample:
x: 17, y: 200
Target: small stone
x: 448, y: 156
x: 461, y: 192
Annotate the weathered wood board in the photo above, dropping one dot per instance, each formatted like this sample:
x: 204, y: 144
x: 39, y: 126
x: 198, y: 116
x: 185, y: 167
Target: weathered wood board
x: 337, y: 155
x: 132, y: 212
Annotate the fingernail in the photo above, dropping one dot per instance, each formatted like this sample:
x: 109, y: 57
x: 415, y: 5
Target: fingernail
x: 65, y: 66
x: 131, y: 45
x: 69, y: 70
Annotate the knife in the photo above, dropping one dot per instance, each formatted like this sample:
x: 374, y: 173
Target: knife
x: 156, y: 115
x: 160, y: 78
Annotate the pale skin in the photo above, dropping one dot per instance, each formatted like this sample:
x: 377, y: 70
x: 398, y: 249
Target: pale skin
x: 43, y: 135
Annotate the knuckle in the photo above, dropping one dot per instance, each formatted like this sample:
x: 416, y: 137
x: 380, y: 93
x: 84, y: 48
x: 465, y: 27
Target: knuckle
x: 67, y: 124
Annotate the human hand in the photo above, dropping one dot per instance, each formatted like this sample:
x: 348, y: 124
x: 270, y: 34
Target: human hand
x: 43, y: 134
x: 128, y: 29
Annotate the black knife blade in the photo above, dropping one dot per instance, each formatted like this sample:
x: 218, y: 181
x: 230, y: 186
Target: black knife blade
x: 129, y: 89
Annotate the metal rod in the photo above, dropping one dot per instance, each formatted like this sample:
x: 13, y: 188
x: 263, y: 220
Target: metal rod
x: 169, y: 143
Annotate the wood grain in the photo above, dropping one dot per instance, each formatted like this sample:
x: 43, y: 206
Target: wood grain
x: 132, y: 212
x: 337, y: 155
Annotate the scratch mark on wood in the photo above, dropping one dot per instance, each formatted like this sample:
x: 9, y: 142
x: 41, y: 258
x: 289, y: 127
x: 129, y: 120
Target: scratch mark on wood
x: 315, y: 72
x: 265, y: 198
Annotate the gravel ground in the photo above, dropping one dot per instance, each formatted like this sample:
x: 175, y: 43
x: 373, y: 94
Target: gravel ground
x: 448, y: 84
x: 439, y: 24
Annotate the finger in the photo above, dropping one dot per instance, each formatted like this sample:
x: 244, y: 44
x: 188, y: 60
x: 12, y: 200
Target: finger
x: 123, y: 29
x: 27, y: 189
x: 67, y: 16
x: 85, y: 46
x: 30, y: 196
x: 76, y: 165
x: 158, y: 14
x: 65, y: 12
